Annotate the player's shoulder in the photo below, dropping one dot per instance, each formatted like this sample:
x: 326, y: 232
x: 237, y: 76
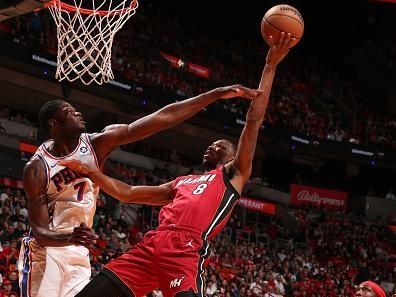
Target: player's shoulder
x: 34, y: 172
x: 111, y: 127
x: 97, y: 136
x: 89, y: 136
x: 34, y: 161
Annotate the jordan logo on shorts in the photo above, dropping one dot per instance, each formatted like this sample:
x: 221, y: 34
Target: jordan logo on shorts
x: 189, y: 244
x: 176, y: 282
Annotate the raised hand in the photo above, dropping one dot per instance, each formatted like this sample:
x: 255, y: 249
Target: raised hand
x: 279, y: 50
x: 77, y: 166
x: 237, y: 91
x: 83, y: 235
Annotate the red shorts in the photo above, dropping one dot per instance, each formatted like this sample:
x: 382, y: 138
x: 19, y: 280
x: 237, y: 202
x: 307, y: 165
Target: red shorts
x: 170, y: 258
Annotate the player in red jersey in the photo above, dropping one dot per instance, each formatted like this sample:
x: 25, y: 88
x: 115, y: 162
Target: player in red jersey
x: 370, y: 289
x: 197, y: 207
x: 54, y: 260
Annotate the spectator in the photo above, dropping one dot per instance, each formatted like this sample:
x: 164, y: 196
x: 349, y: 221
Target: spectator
x: 211, y: 288
x: 4, y: 195
x: 6, y: 290
x: 390, y: 195
x: 157, y: 293
x: 280, y: 283
x: 13, y: 278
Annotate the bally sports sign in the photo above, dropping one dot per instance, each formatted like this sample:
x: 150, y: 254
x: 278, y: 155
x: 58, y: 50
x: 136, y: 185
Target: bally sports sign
x: 301, y: 194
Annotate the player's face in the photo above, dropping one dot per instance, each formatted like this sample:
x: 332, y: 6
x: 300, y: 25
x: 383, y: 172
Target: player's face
x: 219, y: 152
x: 365, y: 291
x: 70, y: 120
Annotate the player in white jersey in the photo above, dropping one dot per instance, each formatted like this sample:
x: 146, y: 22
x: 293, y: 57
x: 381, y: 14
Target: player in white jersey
x: 71, y: 201
x: 54, y: 260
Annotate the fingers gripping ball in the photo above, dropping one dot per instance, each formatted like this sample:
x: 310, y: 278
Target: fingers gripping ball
x: 282, y: 18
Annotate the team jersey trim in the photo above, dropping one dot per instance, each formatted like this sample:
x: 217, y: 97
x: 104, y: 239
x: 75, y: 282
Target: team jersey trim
x: 25, y: 284
x: 63, y: 157
x: 228, y: 183
x: 92, y: 150
x: 47, y: 171
x: 203, y: 253
x: 228, y: 200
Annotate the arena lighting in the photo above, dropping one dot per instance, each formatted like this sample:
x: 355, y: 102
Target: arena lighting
x: 299, y: 139
x: 179, y: 63
x: 243, y: 122
x: 362, y: 152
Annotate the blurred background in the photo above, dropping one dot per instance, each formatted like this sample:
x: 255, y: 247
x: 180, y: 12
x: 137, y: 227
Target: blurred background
x: 319, y: 213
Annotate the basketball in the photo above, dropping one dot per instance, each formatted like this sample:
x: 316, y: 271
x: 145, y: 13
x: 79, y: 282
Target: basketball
x: 282, y: 18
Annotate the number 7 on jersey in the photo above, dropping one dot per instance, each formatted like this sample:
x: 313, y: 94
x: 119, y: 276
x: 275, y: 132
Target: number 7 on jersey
x: 80, y: 187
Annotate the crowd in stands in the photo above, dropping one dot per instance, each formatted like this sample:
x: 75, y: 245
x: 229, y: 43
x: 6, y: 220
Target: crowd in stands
x: 17, y: 124
x: 328, y: 254
x: 13, y: 226
x: 173, y: 157
x: 311, y: 99
x: 22, y: 118
x: 325, y: 179
x: 327, y: 268
x: 380, y: 187
x: 378, y: 45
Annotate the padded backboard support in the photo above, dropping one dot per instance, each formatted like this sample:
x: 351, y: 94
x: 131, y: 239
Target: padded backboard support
x: 17, y: 8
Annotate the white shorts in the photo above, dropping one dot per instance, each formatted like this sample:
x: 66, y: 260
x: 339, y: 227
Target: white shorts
x: 52, y: 271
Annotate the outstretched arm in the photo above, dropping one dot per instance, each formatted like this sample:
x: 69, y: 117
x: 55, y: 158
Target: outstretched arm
x: 150, y: 195
x: 242, y: 164
x: 168, y: 116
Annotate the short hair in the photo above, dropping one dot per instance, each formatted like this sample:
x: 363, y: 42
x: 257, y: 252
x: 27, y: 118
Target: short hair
x: 231, y: 144
x: 233, y: 147
x: 47, y: 112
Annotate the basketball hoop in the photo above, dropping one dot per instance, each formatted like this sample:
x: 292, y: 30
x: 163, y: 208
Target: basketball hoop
x: 85, y: 37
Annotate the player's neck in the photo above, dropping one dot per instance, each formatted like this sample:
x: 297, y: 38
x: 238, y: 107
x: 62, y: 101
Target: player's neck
x: 210, y: 168
x: 64, y: 145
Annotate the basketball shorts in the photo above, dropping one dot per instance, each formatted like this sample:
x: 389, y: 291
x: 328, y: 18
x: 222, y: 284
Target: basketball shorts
x: 170, y: 258
x: 52, y: 271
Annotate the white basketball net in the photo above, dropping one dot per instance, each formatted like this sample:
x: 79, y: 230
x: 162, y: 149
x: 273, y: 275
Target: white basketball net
x: 85, y: 37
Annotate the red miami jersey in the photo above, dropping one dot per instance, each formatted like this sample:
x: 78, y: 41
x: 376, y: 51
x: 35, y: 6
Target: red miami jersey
x: 201, y: 202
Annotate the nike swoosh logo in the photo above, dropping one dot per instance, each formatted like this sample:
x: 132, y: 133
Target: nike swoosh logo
x: 52, y: 166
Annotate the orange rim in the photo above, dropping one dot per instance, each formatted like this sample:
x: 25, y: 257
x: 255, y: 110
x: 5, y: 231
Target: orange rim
x: 71, y: 8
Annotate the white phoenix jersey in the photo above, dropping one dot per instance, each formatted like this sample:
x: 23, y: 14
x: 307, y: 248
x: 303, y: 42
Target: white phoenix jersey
x: 71, y: 197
